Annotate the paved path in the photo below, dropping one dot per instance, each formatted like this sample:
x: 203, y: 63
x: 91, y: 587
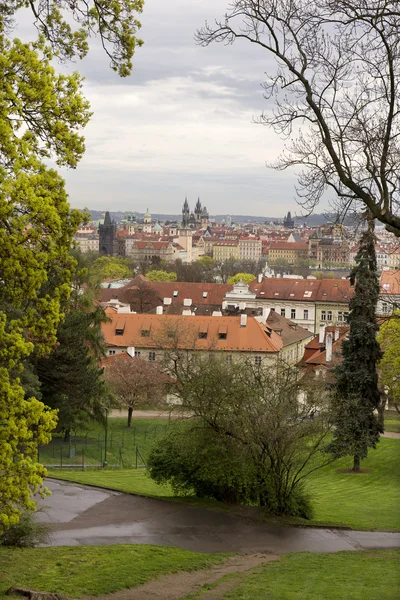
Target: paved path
x: 88, y: 516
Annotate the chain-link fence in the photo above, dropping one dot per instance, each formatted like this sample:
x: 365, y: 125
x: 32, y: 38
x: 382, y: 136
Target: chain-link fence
x: 115, y: 448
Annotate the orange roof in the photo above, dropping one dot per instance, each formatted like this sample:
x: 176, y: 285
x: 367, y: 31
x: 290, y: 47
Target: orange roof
x: 307, y: 290
x: 223, y: 333
x: 288, y: 245
x: 390, y: 282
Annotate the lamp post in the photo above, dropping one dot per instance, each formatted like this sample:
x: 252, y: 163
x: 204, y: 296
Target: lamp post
x: 105, y: 439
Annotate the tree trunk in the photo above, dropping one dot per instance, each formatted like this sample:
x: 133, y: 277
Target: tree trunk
x: 130, y: 411
x: 356, y: 464
x: 67, y: 435
x: 381, y: 412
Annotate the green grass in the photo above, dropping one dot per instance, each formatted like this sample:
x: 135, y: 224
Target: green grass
x: 392, y: 421
x: 361, y: 575
x: 368, y: 500
x: 87, y: 447
x: 94, y: 570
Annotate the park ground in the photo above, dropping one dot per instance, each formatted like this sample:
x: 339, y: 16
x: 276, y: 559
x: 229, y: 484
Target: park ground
x: 369, y: 500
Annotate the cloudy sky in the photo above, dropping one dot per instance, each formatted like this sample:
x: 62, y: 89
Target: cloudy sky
x: 180, y: 125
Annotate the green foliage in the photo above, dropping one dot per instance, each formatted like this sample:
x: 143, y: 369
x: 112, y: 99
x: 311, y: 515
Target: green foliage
x: 389, y: 366
x: 161, y: 276
x: 27, y: 533
x: 71, y: 380
x: 109, y: 267
x: 192, y: 458
x: 256, y: 409
x: 245, y: 277
x: 356, y: 393
x: 67, y: 26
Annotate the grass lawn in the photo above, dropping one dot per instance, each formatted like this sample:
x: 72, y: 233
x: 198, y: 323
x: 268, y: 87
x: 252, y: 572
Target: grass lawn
x: 87, y: 447
x: 368, y: 500
x: 361, y: 575
x: 94, y: 570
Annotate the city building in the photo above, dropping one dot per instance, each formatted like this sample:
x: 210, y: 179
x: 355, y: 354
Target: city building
x: 389, y: 296
x: 288, y: 221
x: 108, y: 243
x: 225, y: 250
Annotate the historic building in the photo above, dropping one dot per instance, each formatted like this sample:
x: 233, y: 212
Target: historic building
x: 108, y: 243
x: 197, y: 219
x: 288, y: 221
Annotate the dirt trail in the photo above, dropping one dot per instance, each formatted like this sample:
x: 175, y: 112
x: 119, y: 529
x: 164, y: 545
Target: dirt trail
x: 178, y: 585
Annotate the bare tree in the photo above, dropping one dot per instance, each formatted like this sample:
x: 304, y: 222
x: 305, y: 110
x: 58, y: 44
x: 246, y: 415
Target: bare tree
x: 133, y: 381
x: 141, y: 297
x: 336, y: 92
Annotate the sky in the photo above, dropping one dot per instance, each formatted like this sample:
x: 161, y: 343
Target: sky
x: 180, y: 125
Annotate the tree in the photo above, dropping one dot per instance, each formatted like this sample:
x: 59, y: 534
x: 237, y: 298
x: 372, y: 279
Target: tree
x: 344, y: 138
x: 108, y: 267
x: 356, y: 391
x: 42, y: 115
x: 161, y: 276
x: 71, y: 380
x: 141, y: 297
x: 256, y: 409
x: 245, y: 277
x: 134, y: 381
x: 389, y: 366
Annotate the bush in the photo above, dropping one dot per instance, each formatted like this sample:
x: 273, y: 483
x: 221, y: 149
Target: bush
x: 27, y: 533
x: 195, y: 460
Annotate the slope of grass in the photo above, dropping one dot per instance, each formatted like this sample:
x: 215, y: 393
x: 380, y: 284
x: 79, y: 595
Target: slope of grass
x: 94, y: 570
x: 361, y: 575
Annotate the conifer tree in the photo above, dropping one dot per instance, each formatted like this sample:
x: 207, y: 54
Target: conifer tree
x: 356, y: 394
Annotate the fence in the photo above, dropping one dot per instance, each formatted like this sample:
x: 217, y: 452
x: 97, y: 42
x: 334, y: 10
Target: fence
x: 121, y: 448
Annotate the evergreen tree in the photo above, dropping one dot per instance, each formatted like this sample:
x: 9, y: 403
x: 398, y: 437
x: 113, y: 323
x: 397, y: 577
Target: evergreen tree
x: 356, y: 393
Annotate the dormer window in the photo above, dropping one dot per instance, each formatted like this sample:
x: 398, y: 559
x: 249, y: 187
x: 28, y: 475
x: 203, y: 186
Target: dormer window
x: 175, y: 294
x: 119, y: 332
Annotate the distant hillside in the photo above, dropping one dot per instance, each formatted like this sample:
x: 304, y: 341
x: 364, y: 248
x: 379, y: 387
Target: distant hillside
x: 312, y: 221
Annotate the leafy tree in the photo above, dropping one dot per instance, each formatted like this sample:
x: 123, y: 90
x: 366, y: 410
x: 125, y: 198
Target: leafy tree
x: 356, y: 393
x: 257, y: 410
x: 108, y: 267
x: 245, y: 277
x: 71, y: 380
x: 343, y: 138
x: 389, y: 366
x: 42, y: 115
x: 134, y: 381
x: 161, y: 276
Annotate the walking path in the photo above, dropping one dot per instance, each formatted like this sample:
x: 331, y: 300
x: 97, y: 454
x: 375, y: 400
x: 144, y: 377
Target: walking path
x: 84, y: 515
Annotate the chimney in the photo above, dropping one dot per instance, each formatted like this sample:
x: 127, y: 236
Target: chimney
x: 265, y: 313
x: 159, y: 310
x: 337, y: 333
x: 259, y: 278
x: 321, y: 334
x: 329, y: 346
x: 243, y: 320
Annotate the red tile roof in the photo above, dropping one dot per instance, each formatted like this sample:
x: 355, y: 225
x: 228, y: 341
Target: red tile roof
x: 306, y: 290
x: 390, y: 282
x: 254, y: 337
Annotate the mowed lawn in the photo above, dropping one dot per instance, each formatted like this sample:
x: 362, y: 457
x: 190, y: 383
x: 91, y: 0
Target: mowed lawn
x: 94, y: 570
x: 364, y: 575
x: 368, y: 500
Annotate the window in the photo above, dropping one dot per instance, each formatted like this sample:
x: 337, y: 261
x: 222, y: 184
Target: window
x: 152, y: 356
x: 145, y: 333
x: 110, y: 352
x: 385, y: 307
x: 272, y: 310
x: 323, y: 315
x: 202, y: 335
x: 293, y: 313
x: 257, y: 360
x: 329, y: 315
x: 305, y: 314
x: 346, y: 316
x: 137, y: 353
x: 283, y: 312
x: 222, y: 335
x: 228, y: 359
x: 119, y: 332
x: 340, y: 316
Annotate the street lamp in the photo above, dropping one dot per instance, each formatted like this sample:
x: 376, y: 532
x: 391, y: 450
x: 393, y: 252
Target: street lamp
x: 105, y: 440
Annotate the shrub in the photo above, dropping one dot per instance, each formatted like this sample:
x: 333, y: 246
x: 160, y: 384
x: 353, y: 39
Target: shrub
x: 27, y: 533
